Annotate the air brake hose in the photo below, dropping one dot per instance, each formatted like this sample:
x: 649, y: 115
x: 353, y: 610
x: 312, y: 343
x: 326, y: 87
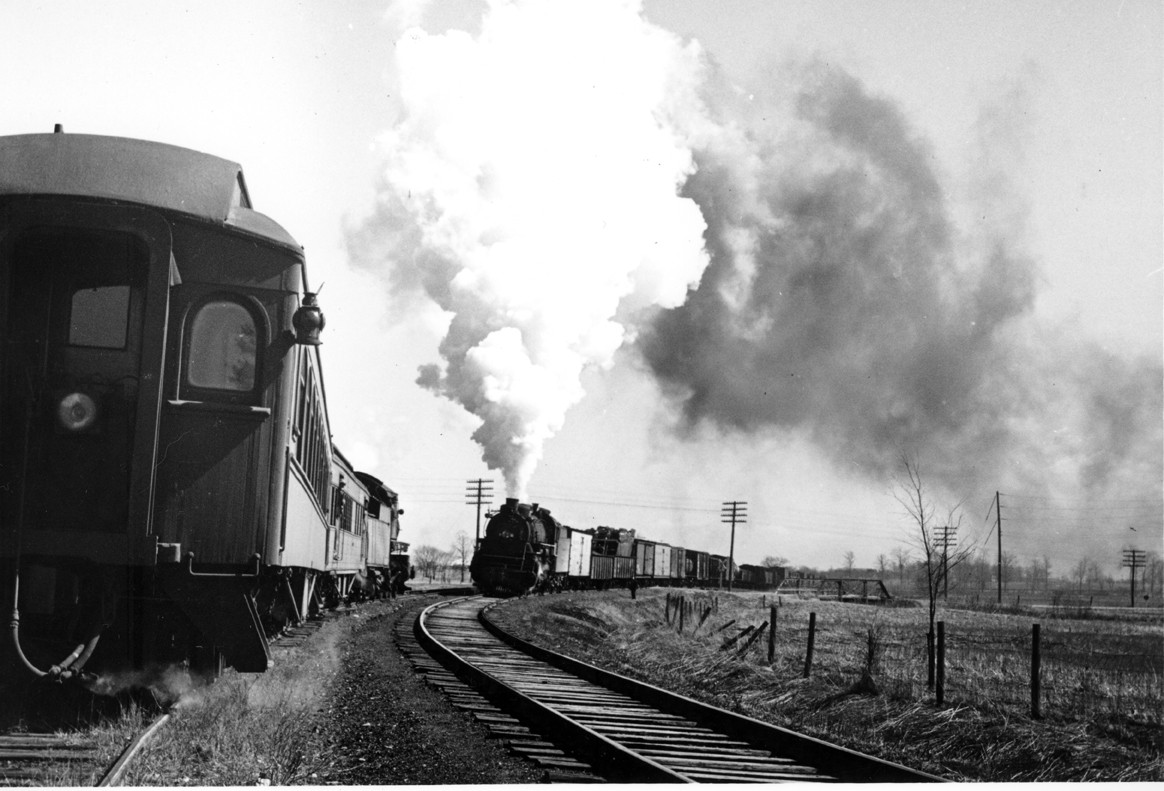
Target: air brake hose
x: 68, y: 671
x: 14, y: 627
x: 68, y: 667
x: 56, y: 669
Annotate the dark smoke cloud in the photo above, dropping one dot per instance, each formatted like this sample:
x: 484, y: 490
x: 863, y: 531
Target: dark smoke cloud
x: 844, y: 303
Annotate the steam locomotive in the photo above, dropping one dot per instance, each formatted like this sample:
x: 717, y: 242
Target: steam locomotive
x: 169, y: 490
x: 526, y: 549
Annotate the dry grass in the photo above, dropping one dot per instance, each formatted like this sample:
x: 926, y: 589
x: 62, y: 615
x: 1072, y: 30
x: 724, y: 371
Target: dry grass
x: 248, y: 729
x: 868, y: 684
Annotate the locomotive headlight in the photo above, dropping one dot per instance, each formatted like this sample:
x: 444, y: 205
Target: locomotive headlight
x: 77, y: 412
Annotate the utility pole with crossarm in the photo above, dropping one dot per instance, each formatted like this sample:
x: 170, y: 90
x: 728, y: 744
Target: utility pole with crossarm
x: 1134, y: 559
x: 479, y: 492
x: 733, y: 512
x: 945, y: 537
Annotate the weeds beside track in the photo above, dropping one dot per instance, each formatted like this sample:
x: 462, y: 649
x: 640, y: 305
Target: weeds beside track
x: 983, y: 732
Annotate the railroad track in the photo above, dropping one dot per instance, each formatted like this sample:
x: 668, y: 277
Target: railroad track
x: 588, y: 721
x: 67, y: 759
x: 74, y: 758
x: 559, y: 766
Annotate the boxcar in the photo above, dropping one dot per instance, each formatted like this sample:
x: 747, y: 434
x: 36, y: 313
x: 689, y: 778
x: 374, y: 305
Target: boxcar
x: 580, y: 549
x: 644, y: 558
x: 662, y: 570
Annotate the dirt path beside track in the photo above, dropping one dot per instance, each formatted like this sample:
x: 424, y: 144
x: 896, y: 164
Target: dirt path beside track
x: 385, y: 726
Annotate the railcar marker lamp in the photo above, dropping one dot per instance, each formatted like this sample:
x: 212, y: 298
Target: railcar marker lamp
x: 77, y: 412
x: 308, y: 321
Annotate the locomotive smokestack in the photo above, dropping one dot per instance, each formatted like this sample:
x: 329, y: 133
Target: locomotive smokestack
x: 58, y: 129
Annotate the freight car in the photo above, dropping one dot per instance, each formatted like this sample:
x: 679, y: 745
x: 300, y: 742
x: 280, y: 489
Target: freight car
x: 526, y: 550
x: 169, y: 490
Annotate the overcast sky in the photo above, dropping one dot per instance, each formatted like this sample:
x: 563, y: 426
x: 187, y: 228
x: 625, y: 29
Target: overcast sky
x: 971, y: 190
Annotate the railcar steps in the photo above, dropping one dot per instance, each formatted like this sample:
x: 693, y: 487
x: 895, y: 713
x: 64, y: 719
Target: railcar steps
x: 632, y: 732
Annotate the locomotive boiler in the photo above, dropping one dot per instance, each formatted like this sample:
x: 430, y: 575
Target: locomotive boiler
x: 169, y: 490
x: 517, y: 554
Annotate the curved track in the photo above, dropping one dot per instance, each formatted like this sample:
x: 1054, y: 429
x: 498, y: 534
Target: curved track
x: 39, y: 759
x: 627, y: 730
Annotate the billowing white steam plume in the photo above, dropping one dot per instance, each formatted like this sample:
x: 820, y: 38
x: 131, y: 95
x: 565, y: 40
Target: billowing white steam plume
x: 531, y: 189
x: 572, y: 164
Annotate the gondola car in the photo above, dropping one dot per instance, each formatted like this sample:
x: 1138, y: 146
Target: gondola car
x: 169, y: 492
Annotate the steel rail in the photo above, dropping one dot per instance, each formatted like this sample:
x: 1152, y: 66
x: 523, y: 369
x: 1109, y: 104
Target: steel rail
x: 599, y: 749
x: 113, y: 775
x: 845, y: 764
x: 636, y: 731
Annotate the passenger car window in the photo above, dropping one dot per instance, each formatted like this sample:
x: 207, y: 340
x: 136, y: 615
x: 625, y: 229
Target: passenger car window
x: 99, y: 317
x: 223, y: 347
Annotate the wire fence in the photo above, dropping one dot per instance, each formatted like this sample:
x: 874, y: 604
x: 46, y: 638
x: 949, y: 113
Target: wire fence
x: 1084, y: 669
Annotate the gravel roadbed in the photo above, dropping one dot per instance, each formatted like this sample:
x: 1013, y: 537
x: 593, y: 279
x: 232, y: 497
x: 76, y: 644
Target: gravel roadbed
x: 385, y: 726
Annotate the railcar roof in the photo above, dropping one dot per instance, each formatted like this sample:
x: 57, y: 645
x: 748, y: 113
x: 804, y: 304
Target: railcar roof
x: 137, y: 171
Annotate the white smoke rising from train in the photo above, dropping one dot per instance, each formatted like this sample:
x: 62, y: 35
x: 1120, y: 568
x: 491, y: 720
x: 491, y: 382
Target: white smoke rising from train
x: 571, y: 166
x: 531, y: 190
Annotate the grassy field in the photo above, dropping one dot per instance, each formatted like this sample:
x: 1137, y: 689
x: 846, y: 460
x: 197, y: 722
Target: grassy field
x: 1101, y: 677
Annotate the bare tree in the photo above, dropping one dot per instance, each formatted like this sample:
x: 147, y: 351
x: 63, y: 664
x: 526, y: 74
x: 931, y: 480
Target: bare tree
x: 902, y: 556
x: 849, y: 558
x: 1153, y: 574
x: 882, y: 564
x: 1079, y: 573
x: 774, y: 561
x: 1010, y: 568
x: 1038, y: 573
x: 937, y: 558
x: 428, y: 560
x: 461, y: 550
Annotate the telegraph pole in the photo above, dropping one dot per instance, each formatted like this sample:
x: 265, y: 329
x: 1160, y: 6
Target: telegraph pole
x: 945, y: 537
x: 479, y: 492
x: 998, y: 526
x: 1134, y: 559
x: 733, y: 512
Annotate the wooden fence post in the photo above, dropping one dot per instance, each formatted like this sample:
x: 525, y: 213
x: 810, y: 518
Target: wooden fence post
x: 811, y: 640
x: 1036, y: 660
x: 930, y: 645
x: 941, y: 674
x: 682, y: 612
x: 772, y: 634
x: 755, y: 636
